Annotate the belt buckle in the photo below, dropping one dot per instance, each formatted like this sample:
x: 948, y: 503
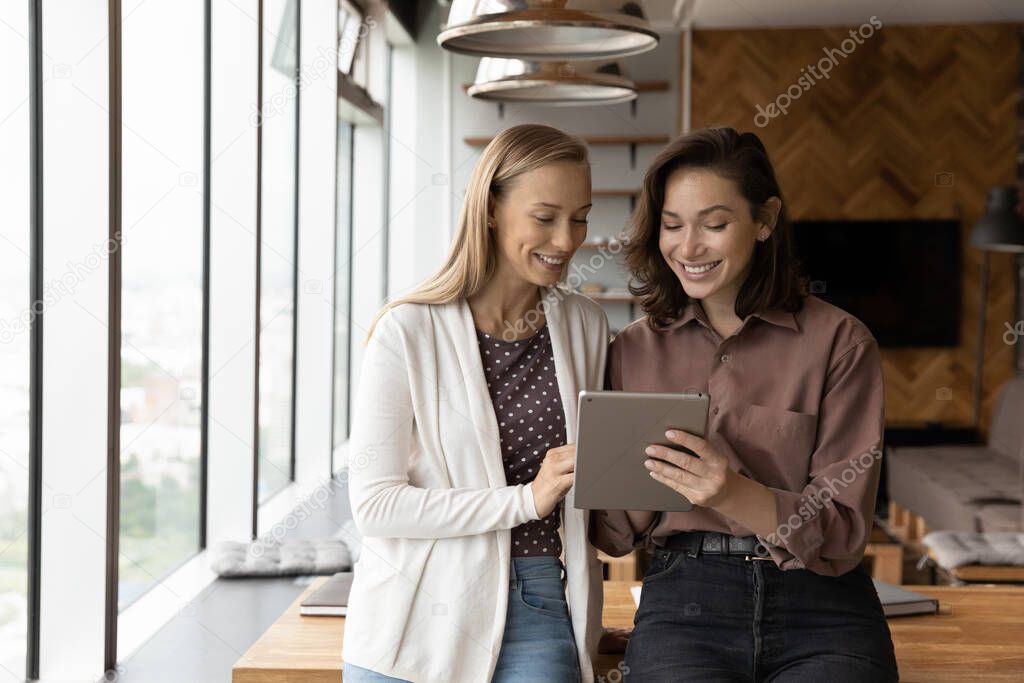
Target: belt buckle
x: 751, y: 558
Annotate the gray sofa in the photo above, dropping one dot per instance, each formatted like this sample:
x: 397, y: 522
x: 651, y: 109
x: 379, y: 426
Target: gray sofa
x: 967, y: 488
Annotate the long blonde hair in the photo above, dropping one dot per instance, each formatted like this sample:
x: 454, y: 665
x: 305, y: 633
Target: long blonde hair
x: 471, y: 259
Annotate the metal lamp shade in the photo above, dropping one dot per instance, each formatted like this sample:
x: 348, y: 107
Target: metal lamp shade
x: 548, y: 29
x: 1001, y: 228
x: 551, y: 83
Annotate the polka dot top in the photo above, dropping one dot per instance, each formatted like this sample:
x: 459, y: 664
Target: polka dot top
x: 524, y: 392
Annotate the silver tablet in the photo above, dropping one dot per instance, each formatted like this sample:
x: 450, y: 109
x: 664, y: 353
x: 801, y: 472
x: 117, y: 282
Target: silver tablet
x: 613, y: 430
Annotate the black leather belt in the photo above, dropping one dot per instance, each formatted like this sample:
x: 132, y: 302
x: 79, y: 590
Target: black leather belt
x: 694, y: 543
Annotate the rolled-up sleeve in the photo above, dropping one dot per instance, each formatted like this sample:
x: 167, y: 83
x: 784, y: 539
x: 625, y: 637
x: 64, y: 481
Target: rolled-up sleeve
x: 824, y: 528
x: 611, y: 532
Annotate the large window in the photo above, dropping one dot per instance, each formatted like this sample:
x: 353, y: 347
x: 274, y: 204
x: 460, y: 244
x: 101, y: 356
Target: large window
x: 14, y: 336
x: 129, y: 244
x: 342, y: 286
x: 130, y: 306
x: 162, y: 294
x: 277, y: 246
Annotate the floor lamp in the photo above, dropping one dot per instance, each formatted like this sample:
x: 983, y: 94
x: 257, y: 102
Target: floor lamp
x: 1000, y: 229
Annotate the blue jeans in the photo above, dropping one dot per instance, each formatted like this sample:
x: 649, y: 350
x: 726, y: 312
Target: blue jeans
x: 350, y: 673
x: 723, y: 618
x: 538, y: 643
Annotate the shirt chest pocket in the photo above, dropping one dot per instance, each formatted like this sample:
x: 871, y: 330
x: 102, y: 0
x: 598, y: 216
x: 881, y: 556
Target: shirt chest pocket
x: 777, y: 433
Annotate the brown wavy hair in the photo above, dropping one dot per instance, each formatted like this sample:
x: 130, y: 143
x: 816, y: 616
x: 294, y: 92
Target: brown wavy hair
x: 774, y: 279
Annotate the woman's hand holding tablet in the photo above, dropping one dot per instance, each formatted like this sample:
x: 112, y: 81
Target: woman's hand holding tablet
x: 699, y: 473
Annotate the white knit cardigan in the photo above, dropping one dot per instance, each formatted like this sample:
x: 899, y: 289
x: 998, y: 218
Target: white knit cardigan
x: 428, y: 493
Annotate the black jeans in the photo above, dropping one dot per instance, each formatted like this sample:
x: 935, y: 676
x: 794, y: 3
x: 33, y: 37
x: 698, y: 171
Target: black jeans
x: 723, y: 618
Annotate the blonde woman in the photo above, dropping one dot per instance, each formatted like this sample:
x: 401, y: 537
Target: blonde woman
x: 473, y: 567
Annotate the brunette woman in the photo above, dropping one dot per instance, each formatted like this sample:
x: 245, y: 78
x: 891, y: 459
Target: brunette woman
x: 762, y: 579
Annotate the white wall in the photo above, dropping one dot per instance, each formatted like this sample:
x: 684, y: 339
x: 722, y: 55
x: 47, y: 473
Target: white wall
x: 421, y: 194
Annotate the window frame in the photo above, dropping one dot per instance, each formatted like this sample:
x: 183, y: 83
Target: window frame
x: 36, y: 287
x: 98, y: 618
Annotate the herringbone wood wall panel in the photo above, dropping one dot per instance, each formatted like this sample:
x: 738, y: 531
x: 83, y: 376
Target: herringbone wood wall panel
x: 917, y: 122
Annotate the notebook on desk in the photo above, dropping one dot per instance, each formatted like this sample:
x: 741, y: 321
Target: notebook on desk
x: 896, y: 601
x: 899, y: 602
x: 330, y: 599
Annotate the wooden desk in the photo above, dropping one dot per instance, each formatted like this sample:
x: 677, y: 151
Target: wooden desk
x: 619, y: 568
x: 885, y: 557
x: 978, y: 636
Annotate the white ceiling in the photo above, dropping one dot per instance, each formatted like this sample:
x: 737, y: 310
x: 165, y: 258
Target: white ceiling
x: 708, y: 14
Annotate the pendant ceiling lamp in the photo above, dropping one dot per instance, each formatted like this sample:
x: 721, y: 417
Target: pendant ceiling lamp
x: 548, y: 29
x: 551, y: 83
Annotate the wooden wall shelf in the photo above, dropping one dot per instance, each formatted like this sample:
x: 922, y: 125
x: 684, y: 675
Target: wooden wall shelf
x: 355, y: 104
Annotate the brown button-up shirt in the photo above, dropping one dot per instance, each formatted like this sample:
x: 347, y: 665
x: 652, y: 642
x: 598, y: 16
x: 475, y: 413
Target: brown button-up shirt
x: 796, y: 404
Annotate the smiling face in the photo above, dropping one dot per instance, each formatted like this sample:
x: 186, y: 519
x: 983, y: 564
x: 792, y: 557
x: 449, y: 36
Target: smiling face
x: 541, y: 222
x: 707, y: 234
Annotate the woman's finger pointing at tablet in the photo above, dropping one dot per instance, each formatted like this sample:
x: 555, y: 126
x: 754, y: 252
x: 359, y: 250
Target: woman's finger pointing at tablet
x: 565, y: 456
x: 554, y: 479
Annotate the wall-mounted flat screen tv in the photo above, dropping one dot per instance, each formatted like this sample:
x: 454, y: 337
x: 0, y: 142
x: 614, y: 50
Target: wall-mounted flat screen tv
x: 900, y: 277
